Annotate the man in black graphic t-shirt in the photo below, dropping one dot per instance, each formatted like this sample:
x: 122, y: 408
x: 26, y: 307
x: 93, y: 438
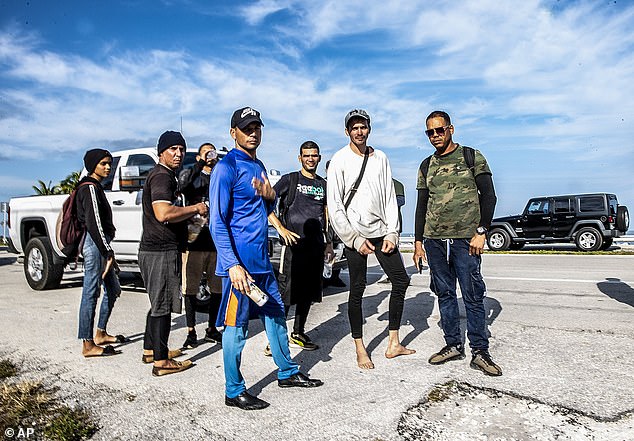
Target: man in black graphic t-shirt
x: 302, y: 227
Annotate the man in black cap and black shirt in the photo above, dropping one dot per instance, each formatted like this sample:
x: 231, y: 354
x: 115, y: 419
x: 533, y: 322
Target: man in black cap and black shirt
x: 201, y: 251
x: 163, y: 240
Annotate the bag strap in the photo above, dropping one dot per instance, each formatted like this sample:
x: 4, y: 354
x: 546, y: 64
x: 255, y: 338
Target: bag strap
x: 354, y: 188
x: 467, y: 152
x: 290, y: 196
x: 469, y: 157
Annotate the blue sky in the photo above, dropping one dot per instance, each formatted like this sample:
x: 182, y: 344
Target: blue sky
x: 543, y: 88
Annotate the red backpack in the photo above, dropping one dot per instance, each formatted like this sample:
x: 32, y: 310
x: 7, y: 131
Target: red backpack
x: 70, y: 232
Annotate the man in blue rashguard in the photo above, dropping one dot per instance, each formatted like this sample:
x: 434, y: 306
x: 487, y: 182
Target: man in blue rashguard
x: 240, y: 200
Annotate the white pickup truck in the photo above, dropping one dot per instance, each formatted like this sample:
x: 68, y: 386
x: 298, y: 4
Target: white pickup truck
x: 33, y: 219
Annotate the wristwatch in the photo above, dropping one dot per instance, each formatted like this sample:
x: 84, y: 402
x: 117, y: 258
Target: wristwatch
x: 481, y: 230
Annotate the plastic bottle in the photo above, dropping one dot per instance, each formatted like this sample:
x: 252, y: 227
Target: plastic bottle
x: 257, y: 295
x: 327, y: 270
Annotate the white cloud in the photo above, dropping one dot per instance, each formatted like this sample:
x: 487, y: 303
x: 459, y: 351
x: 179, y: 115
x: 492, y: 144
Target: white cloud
x: 516, y: 76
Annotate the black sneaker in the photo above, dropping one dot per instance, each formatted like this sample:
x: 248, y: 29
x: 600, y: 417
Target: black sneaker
x: 301, y: 340
x: 192, y: 340
x: 446, y: 354
x: 481, y: 360
x: 213, y: 335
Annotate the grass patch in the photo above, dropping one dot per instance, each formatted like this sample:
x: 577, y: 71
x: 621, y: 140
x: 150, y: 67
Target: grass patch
x: 7, y: 369
x: 441, y: 392
x: 70, y: 424
x: 30, y: 405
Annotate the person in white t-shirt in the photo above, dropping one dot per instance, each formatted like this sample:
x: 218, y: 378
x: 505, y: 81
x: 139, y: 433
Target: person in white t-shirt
x: 366, y: 220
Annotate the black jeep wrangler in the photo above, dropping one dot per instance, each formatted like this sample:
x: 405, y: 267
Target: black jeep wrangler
x: 591, y: 221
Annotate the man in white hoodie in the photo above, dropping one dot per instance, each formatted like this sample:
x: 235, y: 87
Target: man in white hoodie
x: 363, y: 212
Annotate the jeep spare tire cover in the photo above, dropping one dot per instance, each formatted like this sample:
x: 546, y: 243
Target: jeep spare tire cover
x: 622, y: 218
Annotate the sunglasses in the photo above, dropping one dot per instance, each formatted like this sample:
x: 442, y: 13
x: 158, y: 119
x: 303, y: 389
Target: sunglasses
x: 438, y: 130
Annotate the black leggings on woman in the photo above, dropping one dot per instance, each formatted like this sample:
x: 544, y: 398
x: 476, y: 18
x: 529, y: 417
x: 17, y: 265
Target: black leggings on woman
x: 392, y: 264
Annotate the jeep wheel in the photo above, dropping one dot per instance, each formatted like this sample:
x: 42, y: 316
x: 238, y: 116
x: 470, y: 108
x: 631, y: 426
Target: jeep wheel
x: 588, y: 239
x: 498, y: 240
x: 39, y: 269
x: 622, y: 219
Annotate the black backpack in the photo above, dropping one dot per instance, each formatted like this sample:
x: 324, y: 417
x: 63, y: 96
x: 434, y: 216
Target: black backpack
x: 69, y: 231
x: 290, y: 197
x: 469, y: 158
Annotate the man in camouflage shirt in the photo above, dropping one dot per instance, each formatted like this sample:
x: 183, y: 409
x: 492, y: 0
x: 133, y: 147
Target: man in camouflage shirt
x: 456, y: 201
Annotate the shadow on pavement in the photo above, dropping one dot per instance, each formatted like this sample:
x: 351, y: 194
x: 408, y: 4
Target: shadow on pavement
x: 416, y: 311
x: 617, y: 289
x: 337, y: 328
x: 7, y: 260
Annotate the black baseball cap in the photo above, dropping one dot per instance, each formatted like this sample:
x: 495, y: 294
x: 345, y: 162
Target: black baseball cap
x: 245, y: 116
x: 357, y: 113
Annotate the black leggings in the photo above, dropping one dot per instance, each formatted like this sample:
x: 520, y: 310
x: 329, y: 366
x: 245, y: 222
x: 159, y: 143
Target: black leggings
x: 393, y: 266
x: 190, y: 309
x: 157, y: 332
x: 301, y: 314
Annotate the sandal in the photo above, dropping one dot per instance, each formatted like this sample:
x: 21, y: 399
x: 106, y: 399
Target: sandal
x: 107, y: 351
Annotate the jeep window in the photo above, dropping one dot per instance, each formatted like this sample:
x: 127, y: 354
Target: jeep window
x: 538, y: 206
x: 613, y: 204
x: 107, y: 182
x: 562, y: 205
x: 591, y: 203
x: 145, y: 163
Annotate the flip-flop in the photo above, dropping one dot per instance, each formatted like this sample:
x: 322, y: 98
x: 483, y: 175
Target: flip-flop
x: 121, y: 339
x: 107, y: 351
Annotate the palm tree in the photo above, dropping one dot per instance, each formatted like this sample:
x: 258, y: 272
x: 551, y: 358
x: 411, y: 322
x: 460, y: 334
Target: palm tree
x: 68, y: 184
x: 43, y: 189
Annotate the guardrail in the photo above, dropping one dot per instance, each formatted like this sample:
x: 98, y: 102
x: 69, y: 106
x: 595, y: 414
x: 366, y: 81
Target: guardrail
x: 406, y: 243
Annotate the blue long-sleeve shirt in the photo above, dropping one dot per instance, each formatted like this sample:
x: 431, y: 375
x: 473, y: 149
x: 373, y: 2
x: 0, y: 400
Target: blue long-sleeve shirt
x: 239, y: 227
x: 238, y: 216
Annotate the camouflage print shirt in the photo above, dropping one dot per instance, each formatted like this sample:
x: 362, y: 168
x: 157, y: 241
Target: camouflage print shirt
x: 453, y: 209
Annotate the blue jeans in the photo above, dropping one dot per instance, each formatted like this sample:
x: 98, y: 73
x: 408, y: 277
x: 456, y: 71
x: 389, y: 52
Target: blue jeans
x: 233, y: 340
x: 449, y: 260
x: 94, y: 264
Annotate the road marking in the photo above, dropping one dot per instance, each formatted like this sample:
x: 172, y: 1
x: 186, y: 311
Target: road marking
x: 539, y: 279
x: 531, y: 279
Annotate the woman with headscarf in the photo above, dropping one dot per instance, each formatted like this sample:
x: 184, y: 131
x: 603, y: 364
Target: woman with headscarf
x: 95, y: 214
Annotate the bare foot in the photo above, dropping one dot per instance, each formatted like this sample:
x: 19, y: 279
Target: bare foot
x: 95, y: 351
x: 363, y: 360
x: 398, y: 349
x: 103, y: 338
x: 90, y: 349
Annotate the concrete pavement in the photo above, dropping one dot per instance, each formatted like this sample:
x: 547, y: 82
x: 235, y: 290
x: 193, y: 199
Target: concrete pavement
x: 562, y: 330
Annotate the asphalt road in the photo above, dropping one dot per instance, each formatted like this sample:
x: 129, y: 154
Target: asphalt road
x: 561, y: 329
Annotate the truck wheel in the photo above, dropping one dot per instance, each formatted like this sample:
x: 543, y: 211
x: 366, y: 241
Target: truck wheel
x: 498, y: 240
x: 622, y: 219
x: 39, y: 269
x: 607, y: 243
x: 589, y: 239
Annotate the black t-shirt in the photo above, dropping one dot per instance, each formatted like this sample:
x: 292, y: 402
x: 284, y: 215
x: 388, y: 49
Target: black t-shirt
x: 161, y: 185
x: 306, y: 214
